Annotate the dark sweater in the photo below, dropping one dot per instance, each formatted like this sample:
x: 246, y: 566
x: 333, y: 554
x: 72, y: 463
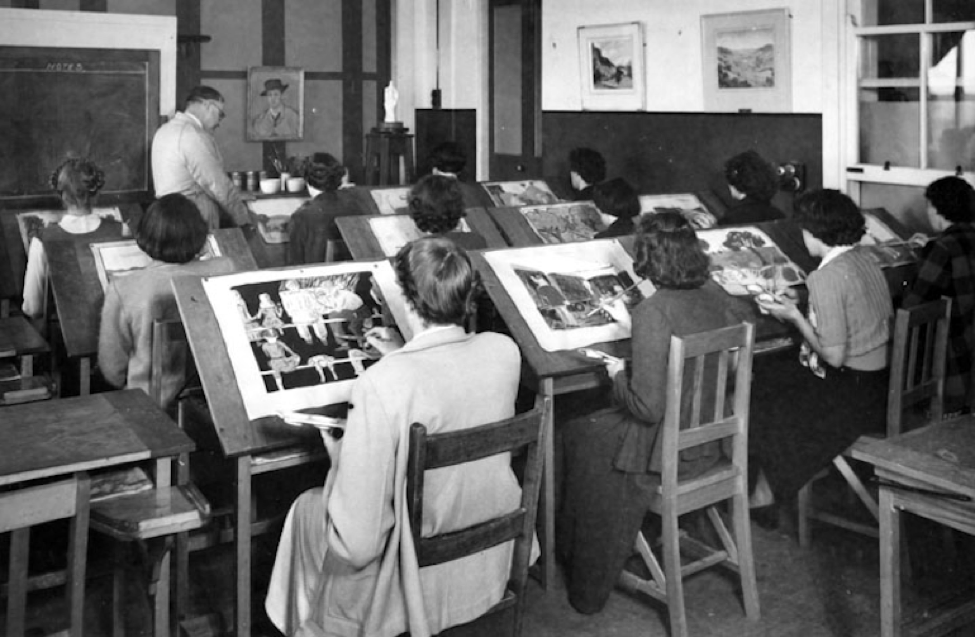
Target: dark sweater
x: 750, y: 210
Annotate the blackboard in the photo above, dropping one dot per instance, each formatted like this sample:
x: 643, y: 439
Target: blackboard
x: 61, y: 102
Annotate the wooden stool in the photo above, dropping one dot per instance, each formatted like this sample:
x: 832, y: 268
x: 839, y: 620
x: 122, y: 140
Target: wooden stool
x: 384, y: 150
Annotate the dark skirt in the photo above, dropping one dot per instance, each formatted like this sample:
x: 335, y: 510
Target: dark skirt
x: 799, y: 422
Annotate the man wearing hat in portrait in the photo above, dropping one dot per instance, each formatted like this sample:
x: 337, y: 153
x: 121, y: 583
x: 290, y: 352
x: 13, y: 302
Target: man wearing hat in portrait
x: 278, y: 120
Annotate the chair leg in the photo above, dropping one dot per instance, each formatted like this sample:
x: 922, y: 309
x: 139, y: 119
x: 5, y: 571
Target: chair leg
x: 675, y: 588
x: 78, y: 555
x: 17, y: 593
x: 804, y: 504
x: 119, y: 551
x: 181, y: 577
x: 890, y: 576
x: 746, y: 559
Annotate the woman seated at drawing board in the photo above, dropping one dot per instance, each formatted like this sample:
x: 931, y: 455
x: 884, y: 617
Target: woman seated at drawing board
x: 346, y: 564
x: 617, y: 199
x: 173, y: 233
x: 77, y: 182
x: 608, y: 454
x: 312, y: 226
x: 436, y: 204
x: 752, y: 182
x: 805, y: 412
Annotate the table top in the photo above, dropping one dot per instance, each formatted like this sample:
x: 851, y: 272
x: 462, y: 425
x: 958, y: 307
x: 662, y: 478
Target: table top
x: 941, y: 455
x: 19, y: 338
x: 78, y: 292
x: 57, y: 437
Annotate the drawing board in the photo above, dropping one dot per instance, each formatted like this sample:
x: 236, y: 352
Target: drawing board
x: 745, y: 261
x: 687, y: 204
x: 119, y: 258
x: 31, y: 222
x: 272, y: 216
x: 295, y: 336
x: 395, y: 231
x: 391, y: 201
x: 566, y: 222
x: 519, y: 193
x: 559, y: 288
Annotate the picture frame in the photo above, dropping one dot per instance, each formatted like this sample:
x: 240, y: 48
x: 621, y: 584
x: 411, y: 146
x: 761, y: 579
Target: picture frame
x: 275, y: 103
x: 747, y: 61
x: 611, y: 66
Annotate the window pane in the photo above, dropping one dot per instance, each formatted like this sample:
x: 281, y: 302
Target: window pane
x: 953, y: 11
x: 890, y: 56
x: 889, y: 126
x: 885, y: 12
x: 951, y: 100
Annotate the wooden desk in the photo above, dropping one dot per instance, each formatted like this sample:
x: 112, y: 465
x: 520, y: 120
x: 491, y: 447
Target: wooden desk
x: 362, y: 242
x: 78, y: 293
x: 71, y: 436
x: 940, y: 458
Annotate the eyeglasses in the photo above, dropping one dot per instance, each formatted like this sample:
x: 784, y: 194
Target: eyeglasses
x: 219, y: 108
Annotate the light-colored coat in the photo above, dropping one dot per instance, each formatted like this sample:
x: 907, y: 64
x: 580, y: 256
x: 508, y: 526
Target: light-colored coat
x: 185, y: 159
x: 346, y: 565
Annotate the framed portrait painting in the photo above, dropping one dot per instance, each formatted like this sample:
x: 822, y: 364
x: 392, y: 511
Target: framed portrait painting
x: 611, y: 67
x: 275, y: 103
x: 747, y: 61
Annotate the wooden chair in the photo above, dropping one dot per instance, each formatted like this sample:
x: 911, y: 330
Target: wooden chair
x: 157, y: 519
x: 917, y: 376
x: 21, y: 509
x: 720, y: 367
x: 427, y: 452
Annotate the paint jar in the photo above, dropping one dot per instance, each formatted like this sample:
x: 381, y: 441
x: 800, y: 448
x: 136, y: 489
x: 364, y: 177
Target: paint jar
x: 238, y: 179
x: 253, y: 180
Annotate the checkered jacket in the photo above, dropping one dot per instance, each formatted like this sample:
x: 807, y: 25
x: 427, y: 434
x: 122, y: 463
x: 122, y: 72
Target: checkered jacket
x: 947, y: 268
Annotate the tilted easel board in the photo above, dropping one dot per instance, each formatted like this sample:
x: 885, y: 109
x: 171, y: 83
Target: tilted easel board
x: 358, y: 234
x: 78, y: 292
x: 229, y: 348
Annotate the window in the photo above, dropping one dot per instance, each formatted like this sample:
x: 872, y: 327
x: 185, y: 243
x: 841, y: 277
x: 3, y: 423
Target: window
x: 916, y: 85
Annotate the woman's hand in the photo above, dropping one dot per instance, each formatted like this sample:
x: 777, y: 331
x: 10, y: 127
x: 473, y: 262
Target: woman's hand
x: 384, y: 339
x: 614, y: 366
x: 782, y: 307
x: 618, y: 312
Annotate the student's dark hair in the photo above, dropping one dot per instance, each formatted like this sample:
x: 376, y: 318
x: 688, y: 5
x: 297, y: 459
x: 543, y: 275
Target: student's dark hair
x: 436, y: 204
x: 830, y: 216
x: 325, y: 172
x: 588, y: 163
x: 953, y: 198
x: 752, y: 175
x: 448, y: 157
x: 171, y: 230
x: 77, y: 181
x: 669, y: 253
x: 437, y: 279
x: 201, y: 94
x: 616, y: 198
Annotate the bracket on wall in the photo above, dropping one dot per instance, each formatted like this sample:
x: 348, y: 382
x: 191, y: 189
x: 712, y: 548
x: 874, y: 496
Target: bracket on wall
x: 186, y: 42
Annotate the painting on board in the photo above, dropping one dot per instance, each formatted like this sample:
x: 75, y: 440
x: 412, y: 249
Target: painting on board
x: 566, y: 222
x: 688, y: 205
x: 396, y: 231
x: 296, y: 338
x: 274, y: 215
x: 559, y: 289
x: 31, y: 222
x: 391, y: 201
x: 120, y: 258
x: 745, y: 261
x: 275, y: 103
x: 534, y: 192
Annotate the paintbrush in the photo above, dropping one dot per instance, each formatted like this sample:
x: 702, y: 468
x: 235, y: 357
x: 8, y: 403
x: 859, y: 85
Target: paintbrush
x: 613, y: 299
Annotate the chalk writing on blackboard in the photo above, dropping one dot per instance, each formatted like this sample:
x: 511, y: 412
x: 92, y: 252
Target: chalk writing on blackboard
x: 57, y: 103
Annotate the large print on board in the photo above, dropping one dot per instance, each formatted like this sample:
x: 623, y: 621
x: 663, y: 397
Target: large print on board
x: 296, y: 337
x: 745, y: 261
x: 558, y: 289
x: 566, y: 222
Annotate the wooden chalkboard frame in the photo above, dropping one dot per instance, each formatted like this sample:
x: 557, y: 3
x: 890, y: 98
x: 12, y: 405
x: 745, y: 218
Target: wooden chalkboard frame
x: 61, y: 62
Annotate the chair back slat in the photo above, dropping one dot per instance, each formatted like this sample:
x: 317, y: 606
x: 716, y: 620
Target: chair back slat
x: 523, y: 433
x: 720, y: 363
x: 917, y: 366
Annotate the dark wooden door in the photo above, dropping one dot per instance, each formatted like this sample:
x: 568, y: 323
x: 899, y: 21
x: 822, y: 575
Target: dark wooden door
x: 515, y: 89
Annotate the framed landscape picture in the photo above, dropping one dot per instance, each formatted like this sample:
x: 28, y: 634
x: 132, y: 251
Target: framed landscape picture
x: 747, y: 61
x: 611, y: 67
